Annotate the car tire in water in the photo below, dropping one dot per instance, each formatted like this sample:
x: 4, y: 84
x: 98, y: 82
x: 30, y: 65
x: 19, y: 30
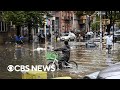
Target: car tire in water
x: 86, y: 77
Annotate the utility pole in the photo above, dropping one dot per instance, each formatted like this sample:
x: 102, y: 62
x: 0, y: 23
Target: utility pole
x: 95, y: 27
x: 51, y: 32
x: 45, y: 35
x: 86, y: 23
x: 100, y: 30
x: 73, y: 22
x: 113, y: 34
x: 55, y: 33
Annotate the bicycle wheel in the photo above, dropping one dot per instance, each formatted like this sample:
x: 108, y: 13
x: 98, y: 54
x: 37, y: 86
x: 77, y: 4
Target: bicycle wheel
x: 73, y: 64
x: 51, y: 64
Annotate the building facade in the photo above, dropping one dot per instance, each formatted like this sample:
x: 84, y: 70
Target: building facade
x: 65, y: 21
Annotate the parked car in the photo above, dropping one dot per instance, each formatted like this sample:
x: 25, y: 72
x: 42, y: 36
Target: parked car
x: 117, y: 35
x: 68, y: 36
x: 89, y: 35
x: 111, y: 72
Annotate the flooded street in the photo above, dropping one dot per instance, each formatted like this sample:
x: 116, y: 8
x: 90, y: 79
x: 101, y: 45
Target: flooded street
x: 12, y: 55
x: 31, y: 41
x: 88, y: 60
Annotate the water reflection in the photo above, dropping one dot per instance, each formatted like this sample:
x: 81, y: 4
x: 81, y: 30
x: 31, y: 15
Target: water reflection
x: 88, y: 60
x: 109, y: 59
x: 18, y: 53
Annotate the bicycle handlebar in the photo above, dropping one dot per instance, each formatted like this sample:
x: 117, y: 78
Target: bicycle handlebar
x: 55, y: 52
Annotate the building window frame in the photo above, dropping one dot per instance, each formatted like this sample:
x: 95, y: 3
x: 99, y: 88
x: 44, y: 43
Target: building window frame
x: 3, y: 26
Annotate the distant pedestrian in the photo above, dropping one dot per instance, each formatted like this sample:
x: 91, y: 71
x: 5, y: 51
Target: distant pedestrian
x: 30, y: 37
x: 49, y: 37
x: 79, y: 37
x: 16, y: 39
x: 56, y: 36
x: 21, y: 39
x: 109, y: 42
x: 35, y: 40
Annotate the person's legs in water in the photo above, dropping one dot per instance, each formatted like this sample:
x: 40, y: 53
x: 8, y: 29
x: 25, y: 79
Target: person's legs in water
x: 60, y: 62
x: 109, y: 49
x: 66, y: 59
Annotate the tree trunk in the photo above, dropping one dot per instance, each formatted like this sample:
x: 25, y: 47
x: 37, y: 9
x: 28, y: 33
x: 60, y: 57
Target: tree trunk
x: 29, y: 33
x: 18, y: 29
x: 109, y: 26
x: 37, y: 29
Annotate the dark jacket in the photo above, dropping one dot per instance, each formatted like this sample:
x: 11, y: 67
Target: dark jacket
x: 65, y: 50
x: 17, y: 38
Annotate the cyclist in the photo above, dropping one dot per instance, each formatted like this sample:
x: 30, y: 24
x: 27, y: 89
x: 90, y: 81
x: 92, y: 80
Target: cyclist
x: 66, y: 54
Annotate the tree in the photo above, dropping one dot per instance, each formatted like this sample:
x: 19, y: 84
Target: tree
x: 113, y: 16
x: 81, y: 13
x: 19, y: 18
x: 95, y: 26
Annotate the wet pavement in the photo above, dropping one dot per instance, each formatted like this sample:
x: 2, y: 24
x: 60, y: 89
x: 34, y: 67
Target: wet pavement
x: 89, y: 60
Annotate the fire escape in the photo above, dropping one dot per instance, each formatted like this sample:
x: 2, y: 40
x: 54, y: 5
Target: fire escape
x: 67, y: 19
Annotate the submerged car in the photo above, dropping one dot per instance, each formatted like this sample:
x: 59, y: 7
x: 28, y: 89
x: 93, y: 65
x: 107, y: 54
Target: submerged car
x: 117, y: 34
x: 111, y: 72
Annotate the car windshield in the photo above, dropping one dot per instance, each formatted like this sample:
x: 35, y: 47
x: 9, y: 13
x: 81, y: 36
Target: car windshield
x: 66, y: 34
x: 117, y: 32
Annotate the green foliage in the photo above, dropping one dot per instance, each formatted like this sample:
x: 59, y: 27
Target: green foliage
x: 119, y: 25
x: 113, y: 15
x: 17, y: 17
x: 22, y: 17
x: 95, y: 26
x: 80, y: 13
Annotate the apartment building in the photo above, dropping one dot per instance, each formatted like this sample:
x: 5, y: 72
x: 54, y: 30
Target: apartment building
x: 65, y: 21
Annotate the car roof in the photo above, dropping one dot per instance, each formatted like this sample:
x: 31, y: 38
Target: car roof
x: 118, y: 30
x: 113, y: 70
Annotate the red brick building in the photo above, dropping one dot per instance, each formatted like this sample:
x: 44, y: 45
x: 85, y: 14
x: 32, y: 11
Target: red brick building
x: 65, y: 21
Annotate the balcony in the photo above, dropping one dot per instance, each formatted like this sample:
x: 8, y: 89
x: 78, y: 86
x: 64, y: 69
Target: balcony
x: 67, y: 19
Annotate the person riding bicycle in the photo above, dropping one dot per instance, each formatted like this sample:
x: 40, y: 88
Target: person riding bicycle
x: 66, y: 54
x: 109, y: 41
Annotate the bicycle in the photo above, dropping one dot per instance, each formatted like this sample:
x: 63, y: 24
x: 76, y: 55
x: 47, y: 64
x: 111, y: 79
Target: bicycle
x: 54, y: 63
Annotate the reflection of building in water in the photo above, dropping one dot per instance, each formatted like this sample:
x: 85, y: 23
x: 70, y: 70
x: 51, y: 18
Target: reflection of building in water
x: 109, y: 60
x: 18, y: 53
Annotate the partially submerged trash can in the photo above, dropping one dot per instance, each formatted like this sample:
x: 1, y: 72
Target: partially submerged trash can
x: 34, y: 75
x: 90, y: 44
x: 62, y: 78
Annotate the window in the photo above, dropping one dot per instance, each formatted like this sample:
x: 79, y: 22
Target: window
x: 3, y: 26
